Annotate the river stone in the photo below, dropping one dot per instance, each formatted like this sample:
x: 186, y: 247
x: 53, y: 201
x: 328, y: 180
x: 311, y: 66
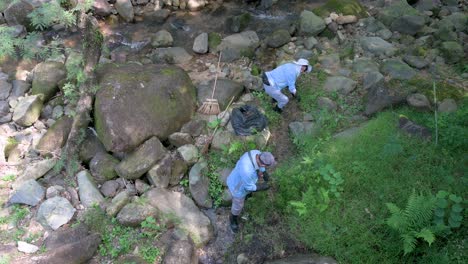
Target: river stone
x: 371, y: 79
x: 189, y: 153
x: 160, y: 174
x: 447, y: 106
x: 196, y: 223
x: 90, y: 147
x: 19, y: 88
x: 89, y: 193
x: 418, y: 101
x: 363, y: 65
x: 339, y: 84
x: 141, y: 160
x: 408, y: 24
x: 330, y: 62
x: 27, y: 248
x: 55, y: 137
x: 451, y: 51
x: 133, y: 214
x: 223, y: 175
x: 164, y: 101
x: 326, y: 103
x: 141, y: 186
x: 28, y: 110
x: 17, y: 14
x: 416, y: 61
x: 171, y: 55
x: 125, y: 9
x: 117, y: 203
x: 102, y: 8
x: 47, y: 77
x: 298, y: 129
x: 427, y: 5
x: 393, y: 12
x: 199, y: 185
x: 5, y: 89
x: 397, y: 69
x: 110, y: 188
x: 238, y: 23
x: 178, y: 139
x: 200, y: 44
x: 181, y: 251
x: 310, y: 24
x: 102, y: 167
x: 55, y: 212
x: 34, y: 171
x: 222, y: 139
x: 55, y: 190
x: 30, y: 193
x: 161, y: 39
x: 377, y: 46
x: 380, y: 97
x: 385, y: 34
x: 4, y: 108
x: 278, y: 38
x: 310, y: 42
x: 235, y: 46
x: 225, y: 90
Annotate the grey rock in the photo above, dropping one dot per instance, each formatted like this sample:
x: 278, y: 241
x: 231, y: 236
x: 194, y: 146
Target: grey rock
x: 181, y: 251
x: 191, y: 218
x: 117, y: 203
x: 278, y: 38
x: 221, y: 139
x: 6, y: 118
x: 4, y: 108
x: 303, y: 259
x: 55, y: 212
x: 447, y: 106
x: 141, y: 186
x: 418, y: 101
x: 330, y: 62
x: 47, y: 78
x: 161, y: 39
x: 17, y: 13
x: 125, y: 9
x: 34, y: 171
x: 194, y: 128
x: 89, y: 193
x: 27, y: 248
x: 451, y: 51
x: 236, y: 45
x: 5, y: 89
x: 363, y: 65
x: 28, y: 110
x: 179, y: 139
x: 223, y: 175
x: 395, y: 11
x: 380, y: 97
x: 385, y: 34
x: 54, y: 191
x: 20, y: 88
x: 57, y: 112
x: 310, y: 24
x: 160, y: 174
x: 226, y: 89
x: 200, y: 44
x: 310, y: 42
x: 133, y: 214
x: 398, y: 70
x: 172, y: 55
x: 102, y: 8
x: 102, y: 167
x: 110, y: 188
x: 372, y: 25
x: 141, y: 160
x: 30, y: 193
x: 416, y: 61
x: 90, y: 147
x: 55, y: 137
x: 377, y: 46
x: 339, y: 84
x: 189, y: 153
x: 326, y: 103
x: 428, y: 5
x: 408, y: 24
x: 372, y: 78
x: 413, y: 129
x: 157, y: 17
x: 298, y: 129
x: 199, y: 185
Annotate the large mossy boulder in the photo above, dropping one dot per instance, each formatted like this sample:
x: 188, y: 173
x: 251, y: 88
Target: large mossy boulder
x: 310, y: 24
x: 451, y: 51
x: 47, y: 78
x: 345, y: 7
x: 395, y: 11
x: 136, y: 102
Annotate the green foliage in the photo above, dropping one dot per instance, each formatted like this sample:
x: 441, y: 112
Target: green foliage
x: 255, y: 70
x: 214, y: 39
x: 49, y: 13
x: 9, y: 177
x: 150, y: 253
x: 184, y: 183
x: 5, y: 259
x: 118, y: 240
x: 213, y: 124
x: 448, y: 211
x: 70, y: 92
x: 150, y: 228
x: 273, y: 117
x: 444, y: 88
x: 216, y: 187
x: 414, y: 221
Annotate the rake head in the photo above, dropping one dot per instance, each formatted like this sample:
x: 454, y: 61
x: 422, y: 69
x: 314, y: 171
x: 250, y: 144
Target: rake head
x: 209, y: 107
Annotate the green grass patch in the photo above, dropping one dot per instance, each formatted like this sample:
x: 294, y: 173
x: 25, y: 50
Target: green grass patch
x: 274, y: 118
x: 379, y: 165
x: 443, y: 89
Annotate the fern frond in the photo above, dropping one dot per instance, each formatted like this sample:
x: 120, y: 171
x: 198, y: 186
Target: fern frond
x: 397, y: 220
x: 409, y: 242
x: 419, y: 210
x: 427, y: 235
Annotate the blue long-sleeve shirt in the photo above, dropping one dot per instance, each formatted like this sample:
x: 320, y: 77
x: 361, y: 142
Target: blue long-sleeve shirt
x: 284, y: 75
x: 243, y: 178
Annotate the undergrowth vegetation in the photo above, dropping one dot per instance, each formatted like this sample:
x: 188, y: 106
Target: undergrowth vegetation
x: 379, y: 196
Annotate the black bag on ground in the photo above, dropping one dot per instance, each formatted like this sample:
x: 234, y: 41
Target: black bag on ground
x: 247, y: 119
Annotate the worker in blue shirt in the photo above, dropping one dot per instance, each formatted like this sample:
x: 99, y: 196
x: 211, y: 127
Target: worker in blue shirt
x: 284, y: 75
x: 243, y: 180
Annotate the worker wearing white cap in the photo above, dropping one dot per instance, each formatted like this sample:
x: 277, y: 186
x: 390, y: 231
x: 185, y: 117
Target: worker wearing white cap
x: 284, y: 76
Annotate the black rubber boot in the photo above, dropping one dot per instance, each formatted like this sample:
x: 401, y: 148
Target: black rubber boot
x: 234, y: 223
x: 277, y: 109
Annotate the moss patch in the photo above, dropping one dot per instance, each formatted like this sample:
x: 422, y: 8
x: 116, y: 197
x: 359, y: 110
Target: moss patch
x: 214, y: 39
x: 345, y: 7
x: 444, y: 90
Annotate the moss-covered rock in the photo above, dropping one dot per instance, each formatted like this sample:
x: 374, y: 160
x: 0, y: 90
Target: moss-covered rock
x: 55, y: 137
x: 393, y: 12
x: 278, y: 38
x: 310, y: 24
x: 451, y: 51
x: 47, y: 78
x: 136, y: 102
x: 345, y: 7
x: 102, y: 167
x: 214, y: 39
x: 28, y: 110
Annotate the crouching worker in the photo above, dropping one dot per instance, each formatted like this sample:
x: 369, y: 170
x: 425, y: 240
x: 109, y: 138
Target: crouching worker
x: 243, y: 180
x: 284, y: 75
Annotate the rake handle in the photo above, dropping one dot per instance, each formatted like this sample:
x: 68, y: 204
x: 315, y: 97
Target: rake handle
x: 216, y: 76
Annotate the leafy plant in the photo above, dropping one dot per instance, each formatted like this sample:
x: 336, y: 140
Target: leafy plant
x: 150, y: 228
x: 117, y: 240
x: 9, y: 177
x: 413, y: 222
x: 149, y: 253
x: 448, y: 211
x: 213, y: 124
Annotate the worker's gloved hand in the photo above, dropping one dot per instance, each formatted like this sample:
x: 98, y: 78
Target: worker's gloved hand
x: 262, y: 186
x: 266, y: 176
x: 297, y: 97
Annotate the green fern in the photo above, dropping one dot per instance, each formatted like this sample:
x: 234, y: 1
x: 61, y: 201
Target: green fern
x: 414, y: 222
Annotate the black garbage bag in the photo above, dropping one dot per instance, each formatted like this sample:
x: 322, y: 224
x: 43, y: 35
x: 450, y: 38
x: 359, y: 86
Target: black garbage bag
x: 247, y: 119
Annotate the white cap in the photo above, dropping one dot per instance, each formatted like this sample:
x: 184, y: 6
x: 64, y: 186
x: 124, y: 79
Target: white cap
x: 303, y: 62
